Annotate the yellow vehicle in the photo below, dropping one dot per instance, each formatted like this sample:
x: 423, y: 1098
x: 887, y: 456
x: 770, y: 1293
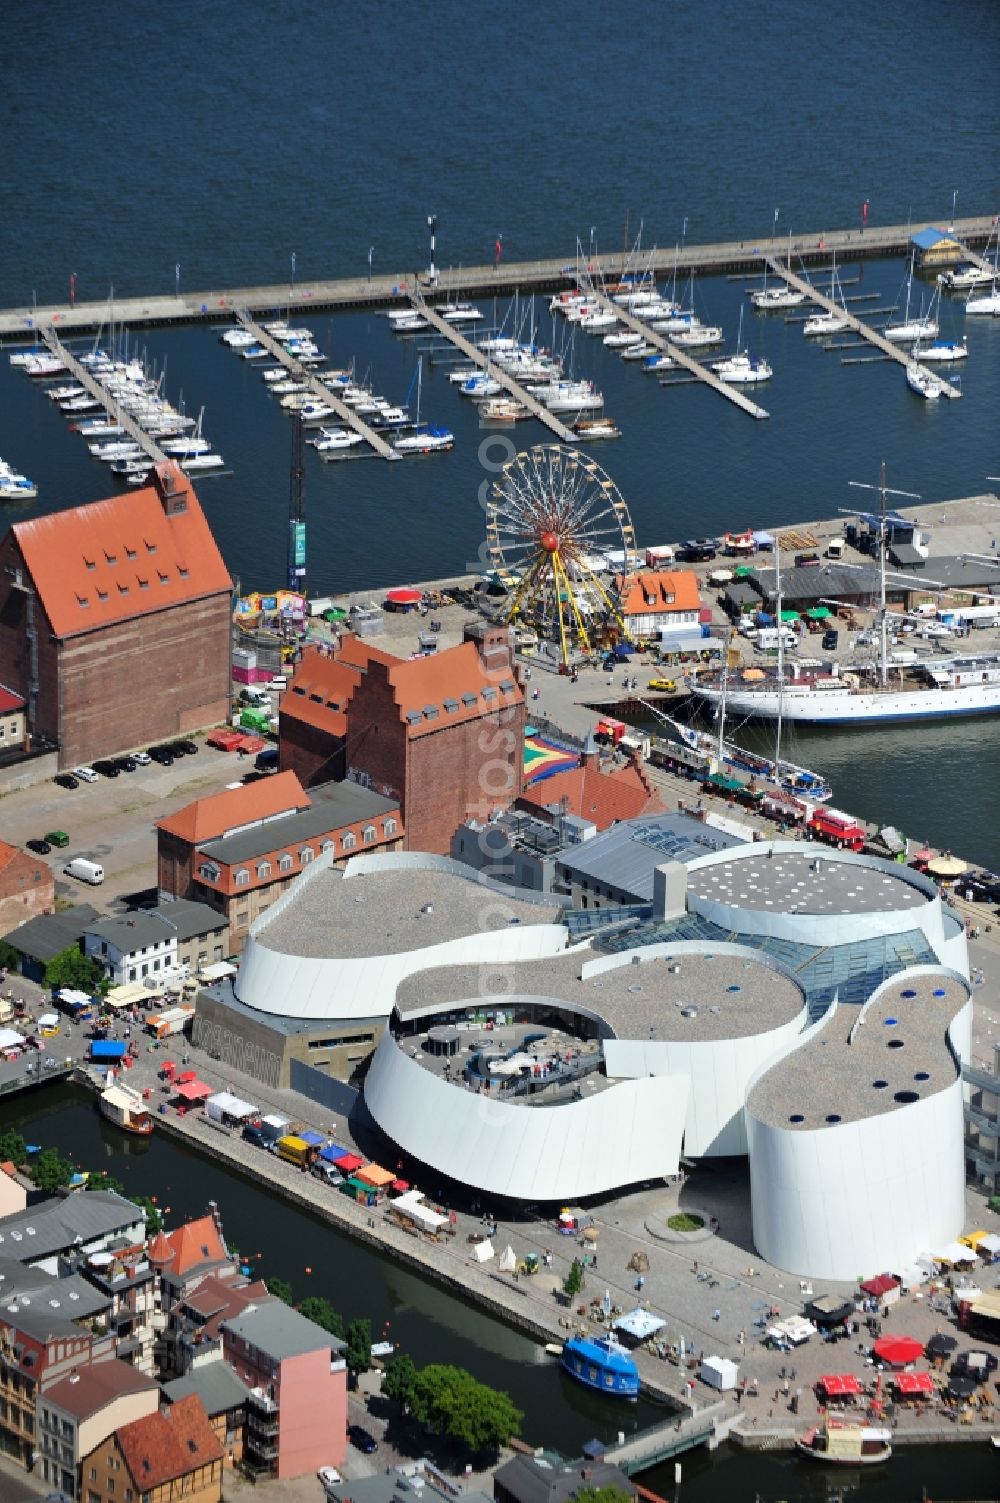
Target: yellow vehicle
x: 663, y: 685
x: 295, y: 1150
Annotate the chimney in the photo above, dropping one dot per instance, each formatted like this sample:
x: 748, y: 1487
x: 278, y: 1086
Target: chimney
x: 173, y: 488
x: 669, y: 891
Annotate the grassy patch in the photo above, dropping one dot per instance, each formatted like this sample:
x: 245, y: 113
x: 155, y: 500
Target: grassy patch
x: 682, y: 1222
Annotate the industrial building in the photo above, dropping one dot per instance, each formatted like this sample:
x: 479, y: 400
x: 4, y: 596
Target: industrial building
x: 115, y: 621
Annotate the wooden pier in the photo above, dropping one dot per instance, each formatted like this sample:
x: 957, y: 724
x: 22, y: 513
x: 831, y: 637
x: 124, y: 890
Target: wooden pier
x: 480, y: 358
x: 320, y: 391
x: 681, y: 357
x: 812, y: 248
x: 902, y: 355
x: 114, y: 409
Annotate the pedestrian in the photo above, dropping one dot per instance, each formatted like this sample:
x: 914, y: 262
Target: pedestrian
x: 716, y: 1314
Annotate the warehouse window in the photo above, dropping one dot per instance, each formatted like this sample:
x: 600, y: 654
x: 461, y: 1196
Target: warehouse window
x: 285, y: 862
x: 328, y: 846
x: 306, y: 854
x: 389, y: 826
x: 370, y: 833
x: 241, y: 876
x: 349, y: 841
x: 263, y: 868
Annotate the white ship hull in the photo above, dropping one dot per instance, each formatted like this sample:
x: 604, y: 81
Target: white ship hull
x: 842, y: 705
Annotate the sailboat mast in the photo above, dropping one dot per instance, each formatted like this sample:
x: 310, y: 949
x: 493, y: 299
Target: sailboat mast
x: 883, y: 658
x: 781, y: 649
x: 722, y: 706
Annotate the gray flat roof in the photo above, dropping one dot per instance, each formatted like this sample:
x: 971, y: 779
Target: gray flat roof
x: 50, y: 933
x: 787, y: 883
x: 24, y: 1287
x: 898, y: 1056
x: 334, y: 805
x: 392, y: 910
x: 734, y: 995
x: 279, y: 1331
x: 216, y: 1384
x: 222, y: 995
x: 58, y: 1224
x: 626, y: 856
x: 189, y: 918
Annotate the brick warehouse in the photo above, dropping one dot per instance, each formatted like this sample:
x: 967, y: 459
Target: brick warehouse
x: 443, y: 735
x: 115, y: 621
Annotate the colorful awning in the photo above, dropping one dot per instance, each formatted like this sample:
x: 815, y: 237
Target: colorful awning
x: 840, y: 1385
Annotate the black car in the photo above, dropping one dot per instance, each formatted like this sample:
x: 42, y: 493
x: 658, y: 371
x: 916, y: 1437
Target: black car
x: 40, y: 847
x: 106, y: 767
x: 830, y: 639
x: 162, y: 754
x: 362, y: 1439
x: 66, y: 780
x: 186, y: 748
x: 126, y: 764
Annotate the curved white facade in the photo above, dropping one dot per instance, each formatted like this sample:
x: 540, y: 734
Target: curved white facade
x: 625, y: 1133
x: 364, y: 985
x: 861, y: 1196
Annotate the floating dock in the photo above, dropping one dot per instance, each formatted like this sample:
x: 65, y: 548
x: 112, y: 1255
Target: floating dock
x: 681, y: 357
x: 319, y: 389
x: 114, y: 410
x: 480, y: 358
x: 343, y: 294
x: 901, y: 354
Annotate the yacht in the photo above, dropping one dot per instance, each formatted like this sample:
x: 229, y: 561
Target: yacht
x: 479, y: 386
x: 425, y: 439
x: 640, y: 351
x: 183, y: 448
x: 503, y: 410
x: 825, y: 323
x: 598, y: 321
x: 601, y: 1363
x: 239, y: 338
x: 659, y: 362
x: 743, y: 369
x: 698, y: 338
x: 593, y: 428
x: 923, y: 382
x: 99, y: 428
x: 967, y: 275
x: 203, y: 462
x: 330, y: 439
x: 767, y: 298
x: 568, y: 396
x: 941, y: 349
x: 460, y: 313
x: 908, y: 330
x: 391, y: 417
x: 126, y: 1109
x: 622, y: 340
x: 988, y: 304
x: 15, y: 487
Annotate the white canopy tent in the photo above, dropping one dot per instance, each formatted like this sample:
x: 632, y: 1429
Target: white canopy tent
x: 10, y: 1039
x: 127, y: 996
x: 990, y: 1244
x: 74, y: 998
x: 218, y: 971
x: 482, y: 1252
x: 639, y: 1324
x: 507, y: 1261
x: 225, y: 1107
x: 719, y: 1372
x: 955, y: 1252
x: 795, y: 1329
x: 412, y: 1204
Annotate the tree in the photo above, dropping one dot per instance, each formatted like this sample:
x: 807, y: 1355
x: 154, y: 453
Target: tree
x: 50, y: 1172
x: 320, y: 1310
x: 154, y: 1221
x: 10, y: 959
x: 74, y: 969
x: 104, y: 1181
x: 13, y: 1149
x: 400, y: 1380
x: 359, y: 1348
x: 281, y: 1289
x: 450, y: 1402
x: 573, y: 1282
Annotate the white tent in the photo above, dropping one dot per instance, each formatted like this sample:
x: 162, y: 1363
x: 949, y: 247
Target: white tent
x: 217, y: 971
x: 74, y: 998
x: 225, y: 1107
x: 719, y: 1372
x: 795, y: 1329
x: 508, y: 1260
x: 639, y: 1324
x: 482, y: 1252
x: 49, y: 1020
x: 990, y: 1244
x: 127, y: 995
x: 10, y: 1039
x: 955, y: 1252
x: 412, y: 1204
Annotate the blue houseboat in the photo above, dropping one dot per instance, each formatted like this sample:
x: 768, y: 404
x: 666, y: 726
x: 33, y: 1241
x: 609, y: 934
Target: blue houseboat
x: 603, y: 1364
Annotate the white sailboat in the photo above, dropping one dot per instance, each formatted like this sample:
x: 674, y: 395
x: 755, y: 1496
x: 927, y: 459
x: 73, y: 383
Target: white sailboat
x: 911, y: 329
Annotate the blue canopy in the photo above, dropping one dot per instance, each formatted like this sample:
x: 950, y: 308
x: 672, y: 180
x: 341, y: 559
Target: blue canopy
x: 107, y: 1049
x: 333, y: 1154
x: 314, y: 1139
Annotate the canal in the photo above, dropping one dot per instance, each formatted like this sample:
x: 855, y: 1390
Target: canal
x: 280, y: 1239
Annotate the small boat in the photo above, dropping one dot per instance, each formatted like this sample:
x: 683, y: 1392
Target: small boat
x: 767, y: 298
x: 908, y: 330
x: 15, y: 487
x: 743, y: 369
x: 203, y: 462
x: 988, y: 304
x: 923, y: 382
x: 460, y: 313
x: 844, y: 1443
x: 601, y: 1363
x: 425, y: 439
x: 554, y: 1349
x: 239, y: 339
x: 480, y: 386
x: 942, y: 349
x: 640, y: 351
x: 126, y: 1109
x: 658, y: 362
x: 964, y: 277
x: 503, y: 410
x: 602, y: 427
x: 698, y: 338
x: 331, y: 439
x: 623, y: 340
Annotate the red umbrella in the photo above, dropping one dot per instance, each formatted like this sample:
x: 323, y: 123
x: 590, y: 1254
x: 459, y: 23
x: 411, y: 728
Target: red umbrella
x: 840, y: 1385
x: 913, y: 1384
x: 404, y: 596
x: 897, y: 1351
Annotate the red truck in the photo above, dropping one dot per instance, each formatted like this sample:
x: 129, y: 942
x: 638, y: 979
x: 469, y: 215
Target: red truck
x: 841, y: 830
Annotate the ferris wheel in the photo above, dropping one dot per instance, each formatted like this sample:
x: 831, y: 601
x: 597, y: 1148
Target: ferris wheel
x: 553, y: 517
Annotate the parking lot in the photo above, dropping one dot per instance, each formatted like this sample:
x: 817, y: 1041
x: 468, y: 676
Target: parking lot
x: 110, y: 821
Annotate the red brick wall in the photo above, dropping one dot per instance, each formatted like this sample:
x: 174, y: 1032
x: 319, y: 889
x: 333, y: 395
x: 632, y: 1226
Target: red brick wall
x: 461, y: 770
x: 312, y: 754
x: 376, y: 738
x: 27, y: 889
x: 174, y: 865
x: 144, y: 680
x: 15, y: 664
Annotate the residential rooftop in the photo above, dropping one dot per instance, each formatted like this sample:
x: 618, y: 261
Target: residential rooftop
x: 93, y: 1387
x: 334, y: 806
x: 65, y: 1222
x: 389, y: 910
x: 279, y: 1331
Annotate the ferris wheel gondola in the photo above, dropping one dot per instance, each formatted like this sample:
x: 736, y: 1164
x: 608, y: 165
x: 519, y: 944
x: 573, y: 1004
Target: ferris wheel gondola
x: 555, y: 521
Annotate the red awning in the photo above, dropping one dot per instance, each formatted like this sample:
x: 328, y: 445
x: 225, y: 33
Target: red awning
x: 880, y: 1285
x: 840, y: 1385
x: 897, y: 1351
x: 186, y: 1076
x: 910, y: 1384
x: 404, y: 596
x: 349, y: 1163
x: 400, y: 1186
x: 195, y: 1090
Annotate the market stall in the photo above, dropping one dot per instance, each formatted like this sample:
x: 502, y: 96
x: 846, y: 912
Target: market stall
x: 229, y: 1110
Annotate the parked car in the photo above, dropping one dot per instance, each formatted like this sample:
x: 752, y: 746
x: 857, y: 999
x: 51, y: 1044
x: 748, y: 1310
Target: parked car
x: 141, y: 759
x: 162, y: 754
x: 363, y: 1439
x: 57, y: 838
x: 106, y: 767
x: 126, y: 764
x: 85, y: 775
x: 830, y: 639
x: 66, y: 780
x: 663, y: 685
x: 329, y: 1476
x: 184, y: 748
x: 40, y: 847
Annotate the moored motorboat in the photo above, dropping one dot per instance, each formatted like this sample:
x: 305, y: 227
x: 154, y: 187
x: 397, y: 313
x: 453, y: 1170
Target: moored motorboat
x: 743, y: 369
x: 503, y: 410
x: 825, y: 323
x: 990, y: 304
x: 843, y: 1442
x: 602, y: 427
x: 767, y: 298
x: 425, y: 439
x: 603, y: 1364
x: 126, y: 1109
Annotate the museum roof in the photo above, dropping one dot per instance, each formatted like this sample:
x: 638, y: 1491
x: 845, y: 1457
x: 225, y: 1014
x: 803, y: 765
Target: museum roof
x: 393, y: 909
x: 626, y: 856
x: 807, y: 880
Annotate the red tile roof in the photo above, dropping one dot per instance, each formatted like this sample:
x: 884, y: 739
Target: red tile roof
x: 9, y: 701
x: 8, y: 853
x: 190, y: 1246
x: 602, y: 796
x: 211, y: 817
x: 676, y: 590
x: 164, y: 1446
x: 216, y: 1300
x: 320, y: 692
x: 114, y: 560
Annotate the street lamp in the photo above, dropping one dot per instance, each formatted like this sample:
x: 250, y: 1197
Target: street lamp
x: 432, y: 225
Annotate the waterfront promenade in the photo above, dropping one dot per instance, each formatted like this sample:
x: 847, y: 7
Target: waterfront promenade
x: 812, y: 248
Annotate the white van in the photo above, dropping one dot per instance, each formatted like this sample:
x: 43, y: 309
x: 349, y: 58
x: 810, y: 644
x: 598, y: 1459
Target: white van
x: 767, y: 638
x: 85, y: 871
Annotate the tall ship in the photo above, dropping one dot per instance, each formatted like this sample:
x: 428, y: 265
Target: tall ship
x: 126, y: 1109
x: 867, y: 693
